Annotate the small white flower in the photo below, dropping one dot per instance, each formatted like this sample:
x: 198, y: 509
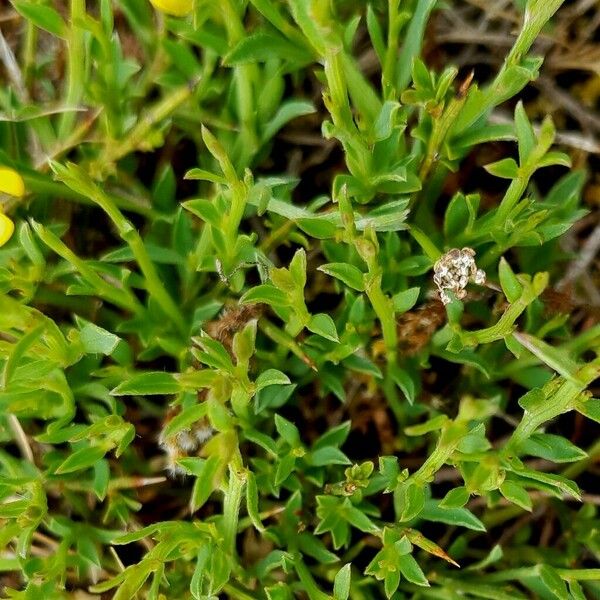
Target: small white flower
x: 454, y: 270
x: 444, y: 297
x: 479, y: 277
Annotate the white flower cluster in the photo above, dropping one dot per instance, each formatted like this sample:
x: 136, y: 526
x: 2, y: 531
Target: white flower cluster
x: 454, y: 270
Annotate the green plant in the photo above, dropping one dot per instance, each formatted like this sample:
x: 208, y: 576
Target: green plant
x: 170, y: 301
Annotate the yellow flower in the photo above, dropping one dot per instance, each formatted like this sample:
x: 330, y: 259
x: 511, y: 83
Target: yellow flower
x: 7, y: 228
x: 178, y: 8
x: 11, y: 182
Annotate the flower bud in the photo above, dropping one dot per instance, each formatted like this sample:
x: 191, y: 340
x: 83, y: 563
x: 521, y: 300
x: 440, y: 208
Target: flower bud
x: 177, y: 8
x: 7, y: 228
x: 11, y: 182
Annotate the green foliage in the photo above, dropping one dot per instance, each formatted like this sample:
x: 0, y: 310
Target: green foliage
x: 173, y: 299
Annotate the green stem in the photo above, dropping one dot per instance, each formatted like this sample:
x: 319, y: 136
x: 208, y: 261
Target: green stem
x: 76, y: 67
x: 235, y: 592
x: 286, y: 341
x: 129, y: 234
x: 559, y: 401
x: 505, y: 324
x: 29, y: 52
x: 239, y: 195
x: 525, y: 572
x: 441, y: 126
x: 308, y: 581
x: 384, y: 309
x: 137, y: 136
x: 391, y: 52
x: 37, y: 183
x: 154, y: 283
x: 513, y: 194
x: 390, y: 390
x: 449, y: 440
x: 244, y: 75
x: 117, y: 296
x: 537, y: 14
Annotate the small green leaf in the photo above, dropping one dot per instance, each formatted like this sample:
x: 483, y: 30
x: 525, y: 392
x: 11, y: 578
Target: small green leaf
x: 96, y: 340
x: 356, y: 362
x: 434, y: 424
x: 285, y: 466
x: 494, y: 555
x: 323, y: 325
x: 244, y: 342
x: 252, y: 501
x: 287, y: 430
x: 460, y: 214
x: 262, y: 440
x: 151, y: 383
x: 554, y: 158
x: 411, y: 500
x: 590, y: 408
x: 410, y: 569
x: 322, y: 229
x: 334, y: 436
x: 451, y: 516
x: 555, y: 358
x: 405, y: 300
x: 262, y: 47
x: 576, y: 590
x: 288, y: 111
x: 552, y: 447
x: 273, y: 396
x: 297, y: 268
x: 313, y: 546
x: 346, y: 273
x: 204, y: 209
x: 510, y: 284
x: 266, y: 294
x: 375, y: 33
x: 218, y: 415
x: 357, y: 518
x: 525, y: 134
x: 202, y: 175
x: 271, y: 377
x: 506, y: 168
x: 516, y: 494
x: 532, y: 400
x: 101, y: 478
x: 206, y: 481
x: 404, y: 381
x: 341, y: 583
x: 185, y: 419
x: 328, y: 456
x: 81, y: 459
x: 553, y: 581
x: 43, y: 16
x: 455, y: 498
x: 415, y: 265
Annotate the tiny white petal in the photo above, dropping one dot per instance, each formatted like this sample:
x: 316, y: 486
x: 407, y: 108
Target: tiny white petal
x: 479, y: 277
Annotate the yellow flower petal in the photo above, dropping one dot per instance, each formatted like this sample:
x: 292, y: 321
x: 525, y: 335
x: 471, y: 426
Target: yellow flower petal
x: 178, y: 8
x: 11, y: 182
x: 7, y: 228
